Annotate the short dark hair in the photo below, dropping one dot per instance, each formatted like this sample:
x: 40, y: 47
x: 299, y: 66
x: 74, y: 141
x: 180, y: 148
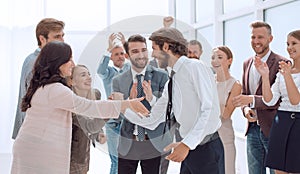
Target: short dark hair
x: 172, y: 36
x: 46, y: 68
x: 134, y: 38
x: 45, y: 26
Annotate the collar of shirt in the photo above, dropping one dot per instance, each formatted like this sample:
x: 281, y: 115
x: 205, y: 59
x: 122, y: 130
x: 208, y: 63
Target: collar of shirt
x: 117, y: 68
x: 169, y: 70
x: 134, y: 73
x: 265, y: 58
x: 178, y: 64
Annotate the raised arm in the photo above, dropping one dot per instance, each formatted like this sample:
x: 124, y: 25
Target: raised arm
x: 103, y: 69
x: 263, y: 70
x: 168, y: 21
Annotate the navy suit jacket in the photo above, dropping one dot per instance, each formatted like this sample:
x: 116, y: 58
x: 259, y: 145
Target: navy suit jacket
x: 123, y: 83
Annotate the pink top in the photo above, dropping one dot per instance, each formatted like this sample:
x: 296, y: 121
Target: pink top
x: 44, y: 140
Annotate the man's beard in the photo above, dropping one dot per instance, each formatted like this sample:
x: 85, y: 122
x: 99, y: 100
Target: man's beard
x: 138, y: 65
x: 263, y: 50
x: 194, y: 57
x: 163, y: 61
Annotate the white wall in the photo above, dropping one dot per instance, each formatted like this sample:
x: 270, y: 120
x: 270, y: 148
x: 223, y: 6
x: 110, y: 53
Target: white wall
x: 83, y: 20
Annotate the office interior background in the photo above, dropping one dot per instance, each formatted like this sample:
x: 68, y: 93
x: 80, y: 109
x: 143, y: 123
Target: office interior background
x: 214, y: 22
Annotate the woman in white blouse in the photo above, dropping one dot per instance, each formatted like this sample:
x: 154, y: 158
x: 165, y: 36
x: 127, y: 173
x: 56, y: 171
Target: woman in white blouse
x: 284, y: 143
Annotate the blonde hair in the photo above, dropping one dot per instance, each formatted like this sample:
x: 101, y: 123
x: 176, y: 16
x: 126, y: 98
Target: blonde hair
x: 94, y: 94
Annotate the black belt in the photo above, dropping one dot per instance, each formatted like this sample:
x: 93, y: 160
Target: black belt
x: 209, y: 138
x: 289, y: 114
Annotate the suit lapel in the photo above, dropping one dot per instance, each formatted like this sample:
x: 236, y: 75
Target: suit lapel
x: 247, y: 75
x: 148, y: 74
x: 127, y: 83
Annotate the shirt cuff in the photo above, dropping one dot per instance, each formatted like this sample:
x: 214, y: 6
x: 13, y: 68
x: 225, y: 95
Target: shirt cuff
x: 107, y: 53
x: 191, y: 143
x: 153, y: 101
x: 252, y: 105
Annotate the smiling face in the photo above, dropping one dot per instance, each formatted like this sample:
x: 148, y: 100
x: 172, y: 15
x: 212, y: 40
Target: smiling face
x: 194, y: 51
x: 138, y: 55
x: 293, y: 47
x: 118, y: 56
x: 260, y: 40
x: 161, y: 56
x: 81, y: 78
x: 220, y: 61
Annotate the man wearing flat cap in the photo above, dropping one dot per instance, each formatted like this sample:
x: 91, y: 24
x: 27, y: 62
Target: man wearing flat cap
x: 191, y: 95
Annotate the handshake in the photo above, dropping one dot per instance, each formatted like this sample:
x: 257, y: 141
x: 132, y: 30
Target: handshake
x: 133, y: 104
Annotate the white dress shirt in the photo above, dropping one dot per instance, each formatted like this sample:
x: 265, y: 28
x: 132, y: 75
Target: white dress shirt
x: 195, y: 103
x: 254, y: 77
x: 134, y: 73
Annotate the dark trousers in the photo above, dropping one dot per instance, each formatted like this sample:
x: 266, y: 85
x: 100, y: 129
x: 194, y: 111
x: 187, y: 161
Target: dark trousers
x: 207, y: 159
x: 143, y: 152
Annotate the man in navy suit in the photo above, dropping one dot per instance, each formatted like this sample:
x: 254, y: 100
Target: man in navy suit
x: 138, y: 144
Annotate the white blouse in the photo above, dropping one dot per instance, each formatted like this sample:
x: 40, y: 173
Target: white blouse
x: 279, y: 90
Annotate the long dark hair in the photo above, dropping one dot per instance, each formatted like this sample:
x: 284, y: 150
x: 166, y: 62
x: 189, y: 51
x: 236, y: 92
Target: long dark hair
x: 46, y: 69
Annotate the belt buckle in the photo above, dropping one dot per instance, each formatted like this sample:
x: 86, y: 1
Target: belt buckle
x: 293, y: 116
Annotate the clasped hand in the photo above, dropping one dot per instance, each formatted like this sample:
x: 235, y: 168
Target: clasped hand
x: 133, y: 104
